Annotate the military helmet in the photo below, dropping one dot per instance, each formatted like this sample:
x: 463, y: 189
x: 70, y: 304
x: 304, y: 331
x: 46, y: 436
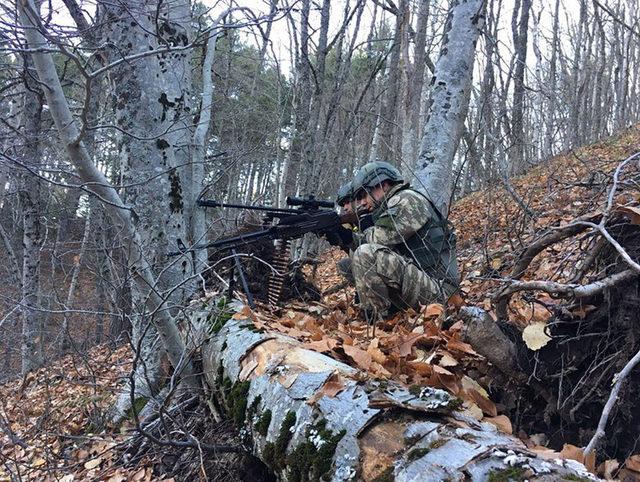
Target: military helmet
x: 345, y: 193
x: 374, y: 173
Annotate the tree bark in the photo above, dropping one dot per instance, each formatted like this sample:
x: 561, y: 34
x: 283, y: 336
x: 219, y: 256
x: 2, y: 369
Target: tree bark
x: 520, y: 31
x: 29, y: 154
x: 449, y: 102
x: 98, y: 184
x: 415, y: 85
x: 310, y: 417
x: 388, y: 139
x: 301, y: 104
x: 65, y: 335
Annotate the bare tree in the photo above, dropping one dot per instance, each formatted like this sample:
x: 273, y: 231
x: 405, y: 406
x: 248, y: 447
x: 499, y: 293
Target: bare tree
x: 449, y: 101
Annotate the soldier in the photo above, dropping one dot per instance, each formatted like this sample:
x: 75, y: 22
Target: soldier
x: 344, y: 199
x: 407, y: 257
x: 346, y: 202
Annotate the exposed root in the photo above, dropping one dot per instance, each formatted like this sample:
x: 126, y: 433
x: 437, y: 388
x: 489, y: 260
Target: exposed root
x: 190, y: 445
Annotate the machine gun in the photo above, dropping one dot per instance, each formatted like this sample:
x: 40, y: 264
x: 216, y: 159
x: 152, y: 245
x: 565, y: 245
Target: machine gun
x: 282, y: 225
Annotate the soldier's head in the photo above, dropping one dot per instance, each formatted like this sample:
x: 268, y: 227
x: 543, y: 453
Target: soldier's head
x: 345, y: 198
x: 372, y: 182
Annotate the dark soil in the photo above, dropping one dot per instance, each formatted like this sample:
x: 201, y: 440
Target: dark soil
x: 570, y: 378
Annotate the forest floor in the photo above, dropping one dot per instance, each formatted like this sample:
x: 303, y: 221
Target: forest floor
x: 53, y: 421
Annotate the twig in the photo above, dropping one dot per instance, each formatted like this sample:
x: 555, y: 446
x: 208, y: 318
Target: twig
x: 613, y: 397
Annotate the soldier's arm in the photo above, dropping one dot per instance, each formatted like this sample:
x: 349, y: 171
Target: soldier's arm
x: 406, y: 213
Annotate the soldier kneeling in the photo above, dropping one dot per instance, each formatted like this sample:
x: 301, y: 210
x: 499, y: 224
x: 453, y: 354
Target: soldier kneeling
x: 407, y: 258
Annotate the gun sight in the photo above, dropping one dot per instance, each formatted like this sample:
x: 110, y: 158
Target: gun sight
x: 309, y: 202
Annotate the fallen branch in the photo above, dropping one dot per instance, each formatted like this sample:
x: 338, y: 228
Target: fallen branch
x: 576, y: 290
x: 613, y: 397
x: 621, y: 251
x: 558, y: 234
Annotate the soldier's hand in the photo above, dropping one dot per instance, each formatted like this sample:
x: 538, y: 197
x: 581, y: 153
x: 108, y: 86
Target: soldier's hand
x: 365, y: 222
x: 341, y: 236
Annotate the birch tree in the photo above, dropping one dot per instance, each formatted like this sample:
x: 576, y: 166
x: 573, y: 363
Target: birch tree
x: 29, y: 154
x: 123, y: 216
x: 449, y: 101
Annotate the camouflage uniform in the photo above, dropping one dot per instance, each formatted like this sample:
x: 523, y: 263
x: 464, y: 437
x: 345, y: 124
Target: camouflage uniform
x: 404, y: 260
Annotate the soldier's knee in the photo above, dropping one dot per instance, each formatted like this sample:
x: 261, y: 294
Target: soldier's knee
x: 366, y: 253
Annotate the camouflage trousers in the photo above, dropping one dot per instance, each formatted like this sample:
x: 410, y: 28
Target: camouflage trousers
x: 385, y: 278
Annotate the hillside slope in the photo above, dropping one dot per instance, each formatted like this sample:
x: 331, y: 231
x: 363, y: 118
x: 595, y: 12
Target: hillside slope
x: 53, y: 423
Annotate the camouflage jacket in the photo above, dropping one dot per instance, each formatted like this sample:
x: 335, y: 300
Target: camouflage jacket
x: 409, y: 224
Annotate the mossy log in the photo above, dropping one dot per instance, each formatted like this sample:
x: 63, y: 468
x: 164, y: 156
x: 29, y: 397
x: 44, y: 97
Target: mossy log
x: 310, y: 417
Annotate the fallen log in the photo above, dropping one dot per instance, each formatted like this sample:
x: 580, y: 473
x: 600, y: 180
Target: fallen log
x: 310, y: 417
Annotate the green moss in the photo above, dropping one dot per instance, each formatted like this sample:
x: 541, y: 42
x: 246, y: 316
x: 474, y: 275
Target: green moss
x: 262, y: 425
x: 219, y: 316
x: 226, y: 384
x: 436, y: 444
x: 237, y: 402
x: 417, y: 453
x: 138, y: 404
x: 220, y: 375
x: 253, y: 408
x: 455, y: 404
x: 575, y: 477
x: 275, y: 454
x: 509, y: 474
x: 269, y: 455
x: 251, y: 327
x: 467, y: 437
x: 313, y: 458
x: 386, y: 476
x: 415, y: 390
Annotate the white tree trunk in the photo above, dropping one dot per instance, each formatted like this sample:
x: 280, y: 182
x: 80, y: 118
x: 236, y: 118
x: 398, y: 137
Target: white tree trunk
x: 310, y: 417
x: 65, y: 336
x: 449, y: 101
x: 98, y: 184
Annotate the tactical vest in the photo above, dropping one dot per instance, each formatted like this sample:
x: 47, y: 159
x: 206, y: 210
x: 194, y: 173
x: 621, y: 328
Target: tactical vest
x: 432, y: 248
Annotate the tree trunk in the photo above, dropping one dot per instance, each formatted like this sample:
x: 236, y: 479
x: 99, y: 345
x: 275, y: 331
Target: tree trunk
x: 65, y: 335
x: 449, y: 102
x: 520, y: 31
x: 550, y: 115
x: 574, y: 116
x: 302, y: 104
x: 415, y: 84
x: 388, y: 139
x: 29, y: 154
x: 153, y: 99
x: 95, y: 181
x: 310, y: 417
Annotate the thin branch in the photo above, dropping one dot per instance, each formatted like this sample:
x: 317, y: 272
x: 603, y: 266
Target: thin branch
x: 613, y: 397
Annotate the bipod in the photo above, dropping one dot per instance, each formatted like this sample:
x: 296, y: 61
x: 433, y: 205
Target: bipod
x: 243, y: 279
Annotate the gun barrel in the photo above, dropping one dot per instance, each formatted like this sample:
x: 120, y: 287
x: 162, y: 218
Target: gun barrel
x: 210, y: 203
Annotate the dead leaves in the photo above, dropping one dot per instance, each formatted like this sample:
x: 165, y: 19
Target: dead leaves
x: 361, y: 358
x: 631, y: 212
x: 535, y: 336
x: 576, y: 453
x: 411, y: 348
x: 502, y: 422
x: 332, y: 387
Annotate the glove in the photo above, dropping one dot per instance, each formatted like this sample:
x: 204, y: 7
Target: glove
x: 340, y: 236
x: 365, y: 222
